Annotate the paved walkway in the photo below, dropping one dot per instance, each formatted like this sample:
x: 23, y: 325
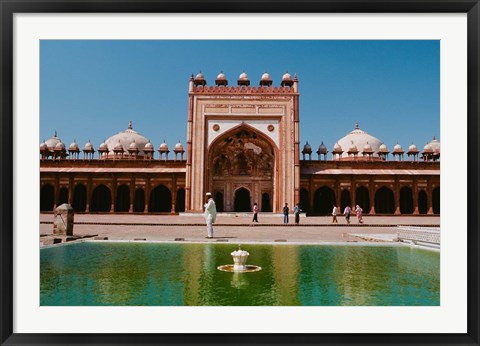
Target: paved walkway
x: 232, y: 228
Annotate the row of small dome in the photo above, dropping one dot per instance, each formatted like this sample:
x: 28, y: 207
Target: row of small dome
x: 126, y: 141
x: 358, y: 141
x: 243, y: 79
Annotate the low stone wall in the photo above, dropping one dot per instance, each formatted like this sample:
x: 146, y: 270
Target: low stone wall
x: 427, y: 236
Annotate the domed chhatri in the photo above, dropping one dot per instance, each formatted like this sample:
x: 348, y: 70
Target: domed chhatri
x: 199, y: 79
x: 287, y: 80
x: 322, y: 150
x: 307, y: 150
x: 359, y: 139
x: 163, y: 149
x: 221, y: 79
x: 265, y: 80
x: 243, y: 79
x: 74, y: 150
x: 126, y: 138
x: 52, y: 142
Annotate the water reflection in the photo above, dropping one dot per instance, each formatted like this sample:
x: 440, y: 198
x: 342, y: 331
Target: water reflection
x: 186, y: 274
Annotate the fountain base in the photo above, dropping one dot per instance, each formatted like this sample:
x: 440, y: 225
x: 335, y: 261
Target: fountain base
x: 243, y: 269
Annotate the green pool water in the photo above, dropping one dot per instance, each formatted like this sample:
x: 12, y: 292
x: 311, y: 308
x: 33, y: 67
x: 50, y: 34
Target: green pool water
x: 95, y: 273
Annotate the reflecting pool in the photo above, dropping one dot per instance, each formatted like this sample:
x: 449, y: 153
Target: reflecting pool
x: 97, y: 273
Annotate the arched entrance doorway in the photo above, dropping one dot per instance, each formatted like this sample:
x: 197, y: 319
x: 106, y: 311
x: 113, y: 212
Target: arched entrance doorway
x: 266, y: 204
x: 139, y: 202
x: 46, y: 198
x: 101, y: 199
x: 362, y: 198
x: 79, y: 202
x: 242, y: 200
x: 242, y: 157
x: 345, y: 200
x: 305, y: 200
x: 63, y: 196
x: 406, y: 200
x: 219, y: 202
x: 122, y: 202
x: 384, y: 201
x: 180, y: 202
x: 323, y: 201
x: 160, y: 200
x: 422, y: 202
x: 436, y: 200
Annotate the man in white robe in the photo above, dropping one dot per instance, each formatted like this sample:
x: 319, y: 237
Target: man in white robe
x: 210, y: 214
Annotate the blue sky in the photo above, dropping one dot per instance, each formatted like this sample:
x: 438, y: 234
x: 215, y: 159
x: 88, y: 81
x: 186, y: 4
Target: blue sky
x: 90, y: 90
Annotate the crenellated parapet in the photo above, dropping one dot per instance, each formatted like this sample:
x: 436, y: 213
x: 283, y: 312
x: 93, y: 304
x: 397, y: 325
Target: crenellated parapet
x: 237, y: 89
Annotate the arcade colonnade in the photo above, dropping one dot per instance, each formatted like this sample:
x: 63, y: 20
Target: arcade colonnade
x: 380, y: 195
x: 120, y: 193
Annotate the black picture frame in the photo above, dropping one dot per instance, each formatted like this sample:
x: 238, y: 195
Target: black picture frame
x: 9, y: 7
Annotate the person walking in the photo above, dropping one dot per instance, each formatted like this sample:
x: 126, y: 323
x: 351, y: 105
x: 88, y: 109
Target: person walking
x: 285, y: 213
x: 359, y: 212
x: 255, y: 213
x: 297, y: 211
x: 334, y: 214
x: 210, y: 214
x: 347, y: 213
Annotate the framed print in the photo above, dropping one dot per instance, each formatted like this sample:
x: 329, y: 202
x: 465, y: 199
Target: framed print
x: 241, y: 173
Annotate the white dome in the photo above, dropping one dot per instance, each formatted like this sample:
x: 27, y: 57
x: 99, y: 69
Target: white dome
x: 307, y: 148
x: 383, y: 148
x: 265, y: 76
x: 412, y: 148
x: 163, y: 146
x: 367, y: 148
x: 88, y: 146
x: 103, y: 146
x: 353, y: 147
x: 322, y: 149
x: 359, y: 139
x: 43, y: 146
x: 435, y: 145
x: 397, y: 148
x: 52, y: 142
x: 287, y: 76
x: 199, y: 75
x: 60, y: 146
x: 126, y: 138
x: 427, y: 148
x: 243, y: 76
x: 179, y: 146
x: 133, y: 145
x: 118, y: 146
x: 73, y: 146
x: 337, y: 147
x: 221, y: 75
x: 148, y: 146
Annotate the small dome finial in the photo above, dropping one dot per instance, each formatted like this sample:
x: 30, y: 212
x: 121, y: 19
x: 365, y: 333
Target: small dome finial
x: 356, y: 125
x: 55, y: 134
x: 130, y: 125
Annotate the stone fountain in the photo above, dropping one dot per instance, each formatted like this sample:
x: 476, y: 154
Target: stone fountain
x: 239, y: 263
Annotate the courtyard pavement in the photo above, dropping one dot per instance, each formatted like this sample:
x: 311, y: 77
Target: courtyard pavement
x: 235, y: 228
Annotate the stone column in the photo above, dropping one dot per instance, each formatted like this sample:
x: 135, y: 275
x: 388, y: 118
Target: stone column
x: 56, y: 191
x: 114, y: 194
x: 70, y: 189
x: 132, y: 193
x: 147, y: 193
x: 429, y: 196
x: 174, y: 193
x: 396, y: 196
x: 89, y: 194
x: 415, y: 196
x: 371, y: 193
